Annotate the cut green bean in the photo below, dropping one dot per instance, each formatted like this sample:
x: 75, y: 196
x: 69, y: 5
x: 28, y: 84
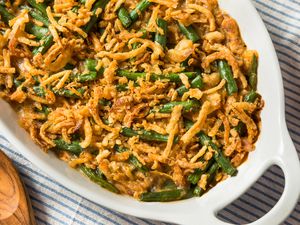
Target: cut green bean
x: 18, y: 82
x: 198, y: 191
x: 90, y: 64
x: 173, y: 77
x: 31, y: 28
x: 75, y: 9
x: 98, y: 179
x: 69, y: 66
x: 45, y: 110
x: 124, y: 17
x: 251, y: 96
x: 122, y: 87
x: 161, y: 38
x: 223, y: 161
x: 93, y: 20
x: 38, y: 32
x: 69, y: 94
x: 132, y: 159
x: 93, y: 74
x: 197, y: 82
x: 34, y: 13
x: 241, y: 129
x: 105, y: 102
x: 194, y: 177
x: 47, y: 41
x: 252, y: 75
x: 40, y: 91
x: 140, y: 7
x: 74, y: 147
x: 226, y: 74
x: 219, y: 157
x: 189, y: 32
x: 41, y: 15
x: 146, y: 135
x: 90, y: 76
x: 188, y: 106
x: 185, y: 63
x: 41, y: 7
x: 137, y: 44
x: 163, y: 196
x: 5, y: 15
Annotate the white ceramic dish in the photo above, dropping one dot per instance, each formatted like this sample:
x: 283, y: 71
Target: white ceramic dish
x: 273, y: 147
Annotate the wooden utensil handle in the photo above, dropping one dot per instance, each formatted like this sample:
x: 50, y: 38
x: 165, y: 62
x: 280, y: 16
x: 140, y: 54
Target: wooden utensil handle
x: 15, y: 207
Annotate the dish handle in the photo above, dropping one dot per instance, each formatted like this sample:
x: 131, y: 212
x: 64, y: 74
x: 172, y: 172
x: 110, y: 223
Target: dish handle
x: 287, y: 159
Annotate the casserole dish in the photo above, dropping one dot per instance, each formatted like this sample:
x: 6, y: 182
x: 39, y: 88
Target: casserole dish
x: 273, y: 147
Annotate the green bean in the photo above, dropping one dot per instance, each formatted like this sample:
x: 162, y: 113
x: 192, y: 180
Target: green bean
x: 222, y: 160
x: 41, y: 15
x: 168, y: 185
x: 163, y: 196
x: 5, y: 15
x: 241, y: 129
x: 251, y: 96
x: 219, y: 157
x: 98, y: 179
x: 93, y: 20
x: 137, y: 44
x: 34, y: 13
x: 45, y: 110
x: 90, y: 76
x: 18, y: 82
x: 161, y: 38
x: 226, y: 74
x: 124, y: 16
x: 68, y: 94
x: 69, y: 66
x: 122, y: 87
x: 188, y: 106
x: 93, y: 74
x: 146, y: 135
x: 140, y: 7
x: 173, y: 77
x: 132, y: 159
x: 198, y: 191
x: 105, y: 102
x: 74, y: 147
x: 75, y: 9
x: 41, y: 7
x: 105, y: 121
x: 189, y: 32
x: 38, y: 32
x: 185, y: 63
x: 40, y: 91
x: 131, y: 75
x: 90, y: 64
x: 47, y: 41
x: 197, y: 82
x: 194, y: 177
x: 252, y: 75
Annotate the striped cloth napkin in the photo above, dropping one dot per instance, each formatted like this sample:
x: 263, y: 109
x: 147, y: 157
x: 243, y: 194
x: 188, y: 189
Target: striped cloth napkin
x: 53, y: 204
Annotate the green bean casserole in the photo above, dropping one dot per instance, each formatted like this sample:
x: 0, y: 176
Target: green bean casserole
x: 156, y: 99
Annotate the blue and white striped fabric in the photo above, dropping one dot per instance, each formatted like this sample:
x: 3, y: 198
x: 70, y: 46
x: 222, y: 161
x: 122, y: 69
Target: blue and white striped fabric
x: 53, y: 204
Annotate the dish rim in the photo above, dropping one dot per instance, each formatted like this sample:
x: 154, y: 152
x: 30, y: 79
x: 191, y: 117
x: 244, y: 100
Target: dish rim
x: 174, y: 212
